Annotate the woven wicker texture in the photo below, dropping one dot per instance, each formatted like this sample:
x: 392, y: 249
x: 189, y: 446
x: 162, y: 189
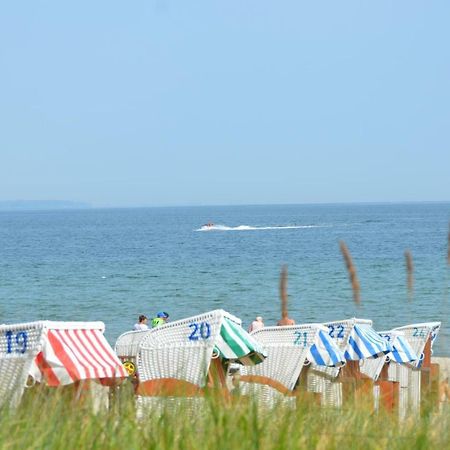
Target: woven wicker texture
x: 417, y: 336
x: 127, y: 344
x: 19, y: 344
x: 331, y: 390
x: 372, y: 367
x: 320, y: 378
x: 181, y: 350
x: 287, y: 349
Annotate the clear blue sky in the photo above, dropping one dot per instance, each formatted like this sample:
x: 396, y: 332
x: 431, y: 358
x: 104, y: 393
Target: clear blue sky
x: 195, y: 102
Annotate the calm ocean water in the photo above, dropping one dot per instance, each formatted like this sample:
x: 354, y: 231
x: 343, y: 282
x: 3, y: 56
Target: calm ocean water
x: 114, y: 264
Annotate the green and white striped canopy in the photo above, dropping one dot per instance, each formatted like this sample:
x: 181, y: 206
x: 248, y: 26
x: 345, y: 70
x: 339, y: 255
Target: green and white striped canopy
x: 235, y: 344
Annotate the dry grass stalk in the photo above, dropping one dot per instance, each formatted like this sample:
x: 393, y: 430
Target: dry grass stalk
x: 351, y: 272
x: 410, y: 271
x: 285, y: 319
x: 283, y: 291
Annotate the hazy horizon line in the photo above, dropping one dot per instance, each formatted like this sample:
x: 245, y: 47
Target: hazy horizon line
x: 49, y: 205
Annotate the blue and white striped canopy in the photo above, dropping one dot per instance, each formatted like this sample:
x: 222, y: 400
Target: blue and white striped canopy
x: 402, y: 352
x: 417, y: 336
x: 364, y: 342
x: 324, y: 352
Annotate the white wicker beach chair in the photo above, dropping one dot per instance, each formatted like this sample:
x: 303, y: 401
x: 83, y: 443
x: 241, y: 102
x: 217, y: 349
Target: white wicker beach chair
x: 174, y: 359
x: 320, y: 379
x: 357, y: 339
x: 56, y: 354
x: 127, y: 348
x: 287, y: 350
x: 127, y: 344
x: 417, y: 336
x: 180, y: 350
x: 339, y: 331
x: 19, y: 344
x: 409, y: 376
x: 401, y: 353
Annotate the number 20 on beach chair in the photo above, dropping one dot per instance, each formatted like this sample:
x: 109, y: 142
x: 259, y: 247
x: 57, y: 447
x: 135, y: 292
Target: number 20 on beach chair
x: 185, y: 357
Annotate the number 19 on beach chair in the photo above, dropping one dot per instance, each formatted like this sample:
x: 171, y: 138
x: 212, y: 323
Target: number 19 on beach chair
x: 55, y: 354
x: 19, y: 344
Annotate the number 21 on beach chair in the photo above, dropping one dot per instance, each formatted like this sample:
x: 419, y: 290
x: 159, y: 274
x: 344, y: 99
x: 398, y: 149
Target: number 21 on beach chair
x: 287, y: 347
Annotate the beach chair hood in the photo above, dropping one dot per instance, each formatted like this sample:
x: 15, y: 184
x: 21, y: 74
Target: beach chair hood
x: 402, y: 352
x: 417, y: 336
x: 236, y: 345
x: 75, y: 351
x: 325, y: 352
x: 364, y: 342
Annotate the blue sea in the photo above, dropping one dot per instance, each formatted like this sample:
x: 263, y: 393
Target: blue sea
x: 114, y: 264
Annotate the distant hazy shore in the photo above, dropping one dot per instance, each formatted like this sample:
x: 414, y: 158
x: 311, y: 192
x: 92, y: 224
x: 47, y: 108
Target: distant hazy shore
x: 40, y: 205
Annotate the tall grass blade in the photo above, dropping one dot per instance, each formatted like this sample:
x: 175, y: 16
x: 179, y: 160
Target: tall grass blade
x: 351, y: 272
x: 410, y: 272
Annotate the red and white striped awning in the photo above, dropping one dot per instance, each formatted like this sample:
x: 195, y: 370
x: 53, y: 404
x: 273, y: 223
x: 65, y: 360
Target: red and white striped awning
x: 74, y: 351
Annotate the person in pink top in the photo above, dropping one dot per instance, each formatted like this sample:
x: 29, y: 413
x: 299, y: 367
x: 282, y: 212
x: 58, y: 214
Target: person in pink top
x: 257, y: 324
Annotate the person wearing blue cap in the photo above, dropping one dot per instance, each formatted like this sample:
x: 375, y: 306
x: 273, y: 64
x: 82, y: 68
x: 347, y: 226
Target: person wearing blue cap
x: 160, y: 319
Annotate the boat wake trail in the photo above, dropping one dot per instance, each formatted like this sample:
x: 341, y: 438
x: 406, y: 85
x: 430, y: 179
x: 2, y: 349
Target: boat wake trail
x: 250, y: 228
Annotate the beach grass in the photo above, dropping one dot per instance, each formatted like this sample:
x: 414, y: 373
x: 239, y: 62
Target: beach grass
x: 53, y: 420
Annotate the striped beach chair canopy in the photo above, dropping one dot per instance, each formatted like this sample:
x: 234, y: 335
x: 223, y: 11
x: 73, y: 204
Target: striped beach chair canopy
x: 364, y: 342
x: 417, y: 336
x: 358, y: 339
x: 324, y: 351
x: 402, y: 352
x: 54, y: 353
x: 75, y: 351
x: 236, y: 345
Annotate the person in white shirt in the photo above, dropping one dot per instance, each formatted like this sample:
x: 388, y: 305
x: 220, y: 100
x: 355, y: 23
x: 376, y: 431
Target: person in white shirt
x: 257, y: 324
x: 142, y: 323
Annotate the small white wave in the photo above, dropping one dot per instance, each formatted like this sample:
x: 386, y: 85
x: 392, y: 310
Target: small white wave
x: 251, y: 228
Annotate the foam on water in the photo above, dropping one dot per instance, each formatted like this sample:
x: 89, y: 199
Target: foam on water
x: 254, y: 228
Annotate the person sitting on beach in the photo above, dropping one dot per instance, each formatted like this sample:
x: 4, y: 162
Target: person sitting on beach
x: 141, y: 324
x: 257, y: 324
x: 285, y: 320
x: 160, y: 319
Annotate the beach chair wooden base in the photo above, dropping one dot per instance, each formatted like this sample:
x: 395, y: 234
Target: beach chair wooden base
x: 168, y: 387
x: 429, y: 387
x: 387, y: 396
x: 268, y: 382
